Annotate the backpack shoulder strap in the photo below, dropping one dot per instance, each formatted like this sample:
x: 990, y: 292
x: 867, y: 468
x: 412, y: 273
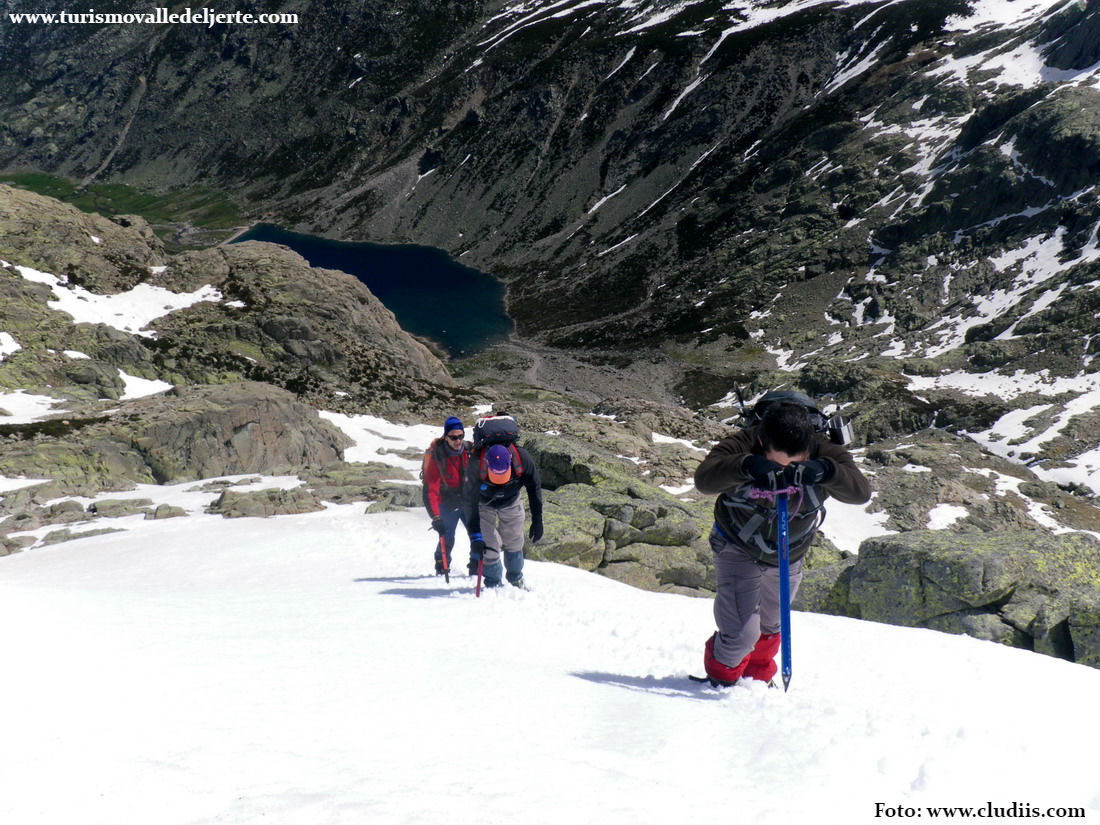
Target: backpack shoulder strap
x: 755, y: 515
x: 430, y: 454
x: 483, y: 466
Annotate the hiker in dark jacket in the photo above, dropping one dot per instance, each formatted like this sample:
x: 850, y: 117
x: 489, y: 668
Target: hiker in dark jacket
x: 783, y: 450
x: 494, y: 510
x: 444, y: 474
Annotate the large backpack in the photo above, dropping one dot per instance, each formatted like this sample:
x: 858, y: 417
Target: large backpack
x: 496, y: 429
x: 835, y: 426
x: 755, y: 515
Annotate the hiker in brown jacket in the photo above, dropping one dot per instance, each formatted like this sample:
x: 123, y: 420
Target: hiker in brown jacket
x: 784, y: 449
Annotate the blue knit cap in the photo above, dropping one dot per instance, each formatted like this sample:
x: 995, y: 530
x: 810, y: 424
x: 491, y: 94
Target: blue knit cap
x: 452, y: 423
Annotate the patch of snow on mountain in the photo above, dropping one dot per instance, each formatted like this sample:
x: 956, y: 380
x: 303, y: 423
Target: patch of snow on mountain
x: 650, y: 18
x: 852, y: 70
x: 625, y: 60
x: 943, y: 516
x: 1007, y: 387
x: 1041, y: 303
x: 136, y: 387
x: 131, y: 311
x: 755, y: 13
x: 783, y: 359
x: 7, y: 485
x: 1008, y: 149
x: 1021, y: 64
x: 1038, y: 262
x: 531, y: 14
x: 846, y: 525
x: 984, y: 14
x: 8, y: 345
x: 1006, y: 484
x: 683, y: 442
x: 378, y: 440
x: 691, y: 87
x: 1022, y: 433
x: 23, y: 408
x: 1019, y: 434
x: 619, y: 245
x: 605, y: 199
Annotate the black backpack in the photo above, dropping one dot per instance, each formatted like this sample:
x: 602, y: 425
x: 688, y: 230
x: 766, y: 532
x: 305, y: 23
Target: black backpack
x: 496, y: 429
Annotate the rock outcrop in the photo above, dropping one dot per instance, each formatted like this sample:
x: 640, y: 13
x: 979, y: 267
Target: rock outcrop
x: 1025, y: 589
x: 600, y: 516
x: 187, y: 434
x: 104, y: 255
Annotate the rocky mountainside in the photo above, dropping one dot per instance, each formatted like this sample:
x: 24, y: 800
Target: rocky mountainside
x: 259, y: 312
x: 889, y: 203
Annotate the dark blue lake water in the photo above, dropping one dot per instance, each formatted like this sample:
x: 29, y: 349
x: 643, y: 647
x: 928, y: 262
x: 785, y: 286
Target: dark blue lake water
x: 430, y: 293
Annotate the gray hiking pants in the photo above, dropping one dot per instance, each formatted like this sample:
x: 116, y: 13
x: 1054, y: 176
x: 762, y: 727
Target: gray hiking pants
x: 746, y: 603
x: 501, y: 528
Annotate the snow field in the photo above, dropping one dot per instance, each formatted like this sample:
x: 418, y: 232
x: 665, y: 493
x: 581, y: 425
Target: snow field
x: 310, y: 669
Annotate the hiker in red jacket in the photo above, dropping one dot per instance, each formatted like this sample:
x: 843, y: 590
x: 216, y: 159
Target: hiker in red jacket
x: 444, y: 471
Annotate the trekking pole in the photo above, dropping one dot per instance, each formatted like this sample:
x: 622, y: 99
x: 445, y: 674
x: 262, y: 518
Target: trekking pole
x: 446, y: 564
x: 480, y: 565
x: 784, y: 588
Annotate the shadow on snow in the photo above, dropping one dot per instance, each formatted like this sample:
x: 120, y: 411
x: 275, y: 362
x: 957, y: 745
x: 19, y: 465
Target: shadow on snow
x: 662, y: 685
x: 417, y: 592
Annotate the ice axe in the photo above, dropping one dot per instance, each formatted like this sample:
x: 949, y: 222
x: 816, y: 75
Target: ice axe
x: 780, y: 497
x: 784, y: 588
x: 446, y: 563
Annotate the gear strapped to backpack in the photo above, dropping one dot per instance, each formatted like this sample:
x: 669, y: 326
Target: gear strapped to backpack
x: 755, y: 516
x: 496, y: 429
x: 836, y: 427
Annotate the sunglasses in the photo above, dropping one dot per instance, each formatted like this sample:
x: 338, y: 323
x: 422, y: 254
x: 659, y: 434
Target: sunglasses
x: 455, y: 437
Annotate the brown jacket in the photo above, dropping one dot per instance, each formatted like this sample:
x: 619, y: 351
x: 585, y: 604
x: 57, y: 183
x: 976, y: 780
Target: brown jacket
x: 751, y: 524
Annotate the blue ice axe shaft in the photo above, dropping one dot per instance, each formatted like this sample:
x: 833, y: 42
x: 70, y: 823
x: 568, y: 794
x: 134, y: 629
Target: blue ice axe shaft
x: 784, y: 589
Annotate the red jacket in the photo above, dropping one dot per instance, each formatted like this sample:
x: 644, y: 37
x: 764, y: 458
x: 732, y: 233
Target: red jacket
x: 443, y: 474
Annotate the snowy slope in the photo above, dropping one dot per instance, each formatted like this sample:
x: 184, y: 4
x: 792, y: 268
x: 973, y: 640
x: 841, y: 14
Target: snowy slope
x: 305, y: 669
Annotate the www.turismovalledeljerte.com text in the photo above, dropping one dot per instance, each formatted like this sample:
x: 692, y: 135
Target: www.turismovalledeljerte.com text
x: 161, y: 16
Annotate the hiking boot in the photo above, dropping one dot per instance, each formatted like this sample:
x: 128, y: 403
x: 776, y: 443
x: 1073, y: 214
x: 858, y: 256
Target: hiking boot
x: 471, y: 568
x: 439, y: 571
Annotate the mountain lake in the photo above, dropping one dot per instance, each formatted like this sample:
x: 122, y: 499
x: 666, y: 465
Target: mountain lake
x: 430, y: 293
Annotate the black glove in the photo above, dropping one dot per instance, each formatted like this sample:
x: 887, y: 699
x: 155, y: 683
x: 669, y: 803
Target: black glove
x: 437, y: 525
x: 535, y: 532
x: 765, y: 474
x: 477, y: 549
x: 801, y: 473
